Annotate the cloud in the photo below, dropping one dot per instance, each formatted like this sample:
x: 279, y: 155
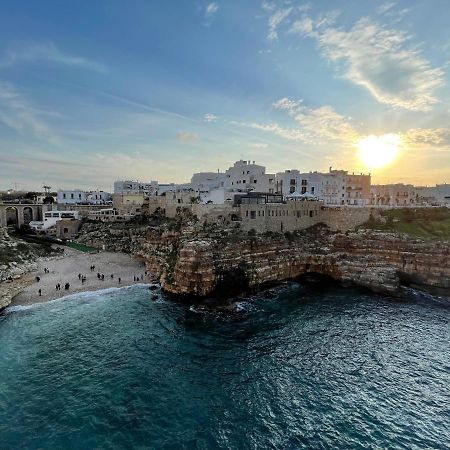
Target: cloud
x: 187, y: 136
x: 385, y: 7
x: 322, y: 123
x: 16, y: 113
x: 289, y: 105
x: 48, y: 51
x: 275, y: 20
x: 211, y: 9
x: 378, y: 59
x: 210, y: 118
x: 259, y: 145
x: 428, y: 138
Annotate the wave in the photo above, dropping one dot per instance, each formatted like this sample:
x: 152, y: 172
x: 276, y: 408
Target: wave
x: 76, y: 295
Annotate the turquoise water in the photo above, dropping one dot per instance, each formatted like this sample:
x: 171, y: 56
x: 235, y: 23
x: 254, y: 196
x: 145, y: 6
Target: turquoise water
x: 311, y: 368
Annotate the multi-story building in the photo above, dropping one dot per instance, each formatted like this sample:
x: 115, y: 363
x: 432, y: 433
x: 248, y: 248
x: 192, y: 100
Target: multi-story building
x: 393, y: 195
x: 80, y: 197
x: 438, y: 195
x: 127, y: 187
x: 242, y: 177
x: 357, y: 189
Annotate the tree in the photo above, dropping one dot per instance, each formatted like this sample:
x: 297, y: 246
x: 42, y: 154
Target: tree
x: 49, y: 200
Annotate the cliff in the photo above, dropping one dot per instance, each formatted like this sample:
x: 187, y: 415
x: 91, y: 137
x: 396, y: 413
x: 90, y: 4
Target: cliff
x: 17, y: 259
x: 226, y: 263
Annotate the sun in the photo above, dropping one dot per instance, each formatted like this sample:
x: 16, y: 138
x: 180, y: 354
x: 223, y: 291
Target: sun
x: 379, y: 151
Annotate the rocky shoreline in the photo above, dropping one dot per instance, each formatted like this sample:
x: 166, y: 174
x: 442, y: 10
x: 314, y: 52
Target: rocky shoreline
x: 198, y: 261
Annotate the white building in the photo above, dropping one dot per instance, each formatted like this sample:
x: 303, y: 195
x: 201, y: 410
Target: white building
x: 129, y: 187
x: 438, y: 195
x: 243, y: 176
x: 79, y: 197
x: 51, y: 217
x: 398, y: 194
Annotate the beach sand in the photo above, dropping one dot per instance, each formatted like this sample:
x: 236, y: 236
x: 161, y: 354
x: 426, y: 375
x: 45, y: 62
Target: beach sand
x: 65, y: 269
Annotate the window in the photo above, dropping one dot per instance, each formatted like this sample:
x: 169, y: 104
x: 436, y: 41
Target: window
x: 292, y: 181
x: 64, y: 195
x: 79, y: 196
x: 255, y: 181
x: 311, y: 213
x: 65, y: 230
x: 303, y: 190
x: 291, y: 189
x: 243, y: 181
x: 312, y: 190
x: 252, y: 214
x: 304, y: 182
x: 246, y: 213
x: 71, y: 195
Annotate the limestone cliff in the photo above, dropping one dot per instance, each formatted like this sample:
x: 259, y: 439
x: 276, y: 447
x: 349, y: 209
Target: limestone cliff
x: 17, y: 259
x: 204, y: 264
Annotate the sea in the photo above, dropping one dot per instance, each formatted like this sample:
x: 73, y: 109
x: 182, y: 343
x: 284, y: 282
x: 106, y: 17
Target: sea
x: 311, y: 366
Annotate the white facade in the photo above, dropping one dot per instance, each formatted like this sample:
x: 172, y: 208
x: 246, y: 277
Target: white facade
x: 204, y: 182
x: 127, y: 187
x: 393, y: 195
x: 51, y: 217
x: 438, y: 195
x: 77, y: 196
x: 71, y: 197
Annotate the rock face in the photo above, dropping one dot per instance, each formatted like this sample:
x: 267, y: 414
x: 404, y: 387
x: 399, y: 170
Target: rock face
x: 207, y: 264
x: 17, y: 258
x: 113, y: 237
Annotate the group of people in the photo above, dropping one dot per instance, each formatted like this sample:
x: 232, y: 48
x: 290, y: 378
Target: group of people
x: 83, y: 279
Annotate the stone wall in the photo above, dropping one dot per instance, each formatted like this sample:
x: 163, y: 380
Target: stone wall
x: 280, y: 217
x: 345, y: 218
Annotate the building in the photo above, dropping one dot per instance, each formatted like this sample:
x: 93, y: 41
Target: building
x: 438, y: 195
x: 357, y: 189
x: 132, y: 187
x: 394, y: 195
x: 80, y: 197
x: 243, y: 176
x: 52, y: 217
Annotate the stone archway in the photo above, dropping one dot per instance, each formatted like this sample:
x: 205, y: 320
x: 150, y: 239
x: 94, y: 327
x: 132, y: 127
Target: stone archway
x: 27, y: 215
x: 12, y: 216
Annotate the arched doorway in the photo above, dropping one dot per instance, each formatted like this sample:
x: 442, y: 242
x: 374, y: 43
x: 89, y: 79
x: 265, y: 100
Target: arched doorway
x: 12, y: 217
x: 27, y: 215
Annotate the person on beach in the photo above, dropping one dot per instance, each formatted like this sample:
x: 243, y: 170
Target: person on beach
x: 98, y: 275
x: 38, y: 279
x: 112, y: 276
x: 142, y: 277
x: 120, y: 280
x: 40, y: 292
x: 67, y: 286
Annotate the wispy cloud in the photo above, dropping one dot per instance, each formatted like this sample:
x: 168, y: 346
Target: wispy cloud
x: 278, y: 16
x: 210, y: 118
x: 17, y: 114
x: 380, y: 60
x: 187, y: 136
x: 314, y: 126
x: 46, y: 52
x: 211, y: 9
x: 385, y: 7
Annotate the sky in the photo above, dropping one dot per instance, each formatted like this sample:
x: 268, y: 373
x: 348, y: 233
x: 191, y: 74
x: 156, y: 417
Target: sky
x: 92, y: 92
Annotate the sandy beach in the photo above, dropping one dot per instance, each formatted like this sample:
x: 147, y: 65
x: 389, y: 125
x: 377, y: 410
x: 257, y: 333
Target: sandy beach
x: 65, y: 269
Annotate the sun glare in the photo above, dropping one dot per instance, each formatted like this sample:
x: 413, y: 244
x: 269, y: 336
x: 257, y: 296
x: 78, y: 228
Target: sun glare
x: 379, y: 151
